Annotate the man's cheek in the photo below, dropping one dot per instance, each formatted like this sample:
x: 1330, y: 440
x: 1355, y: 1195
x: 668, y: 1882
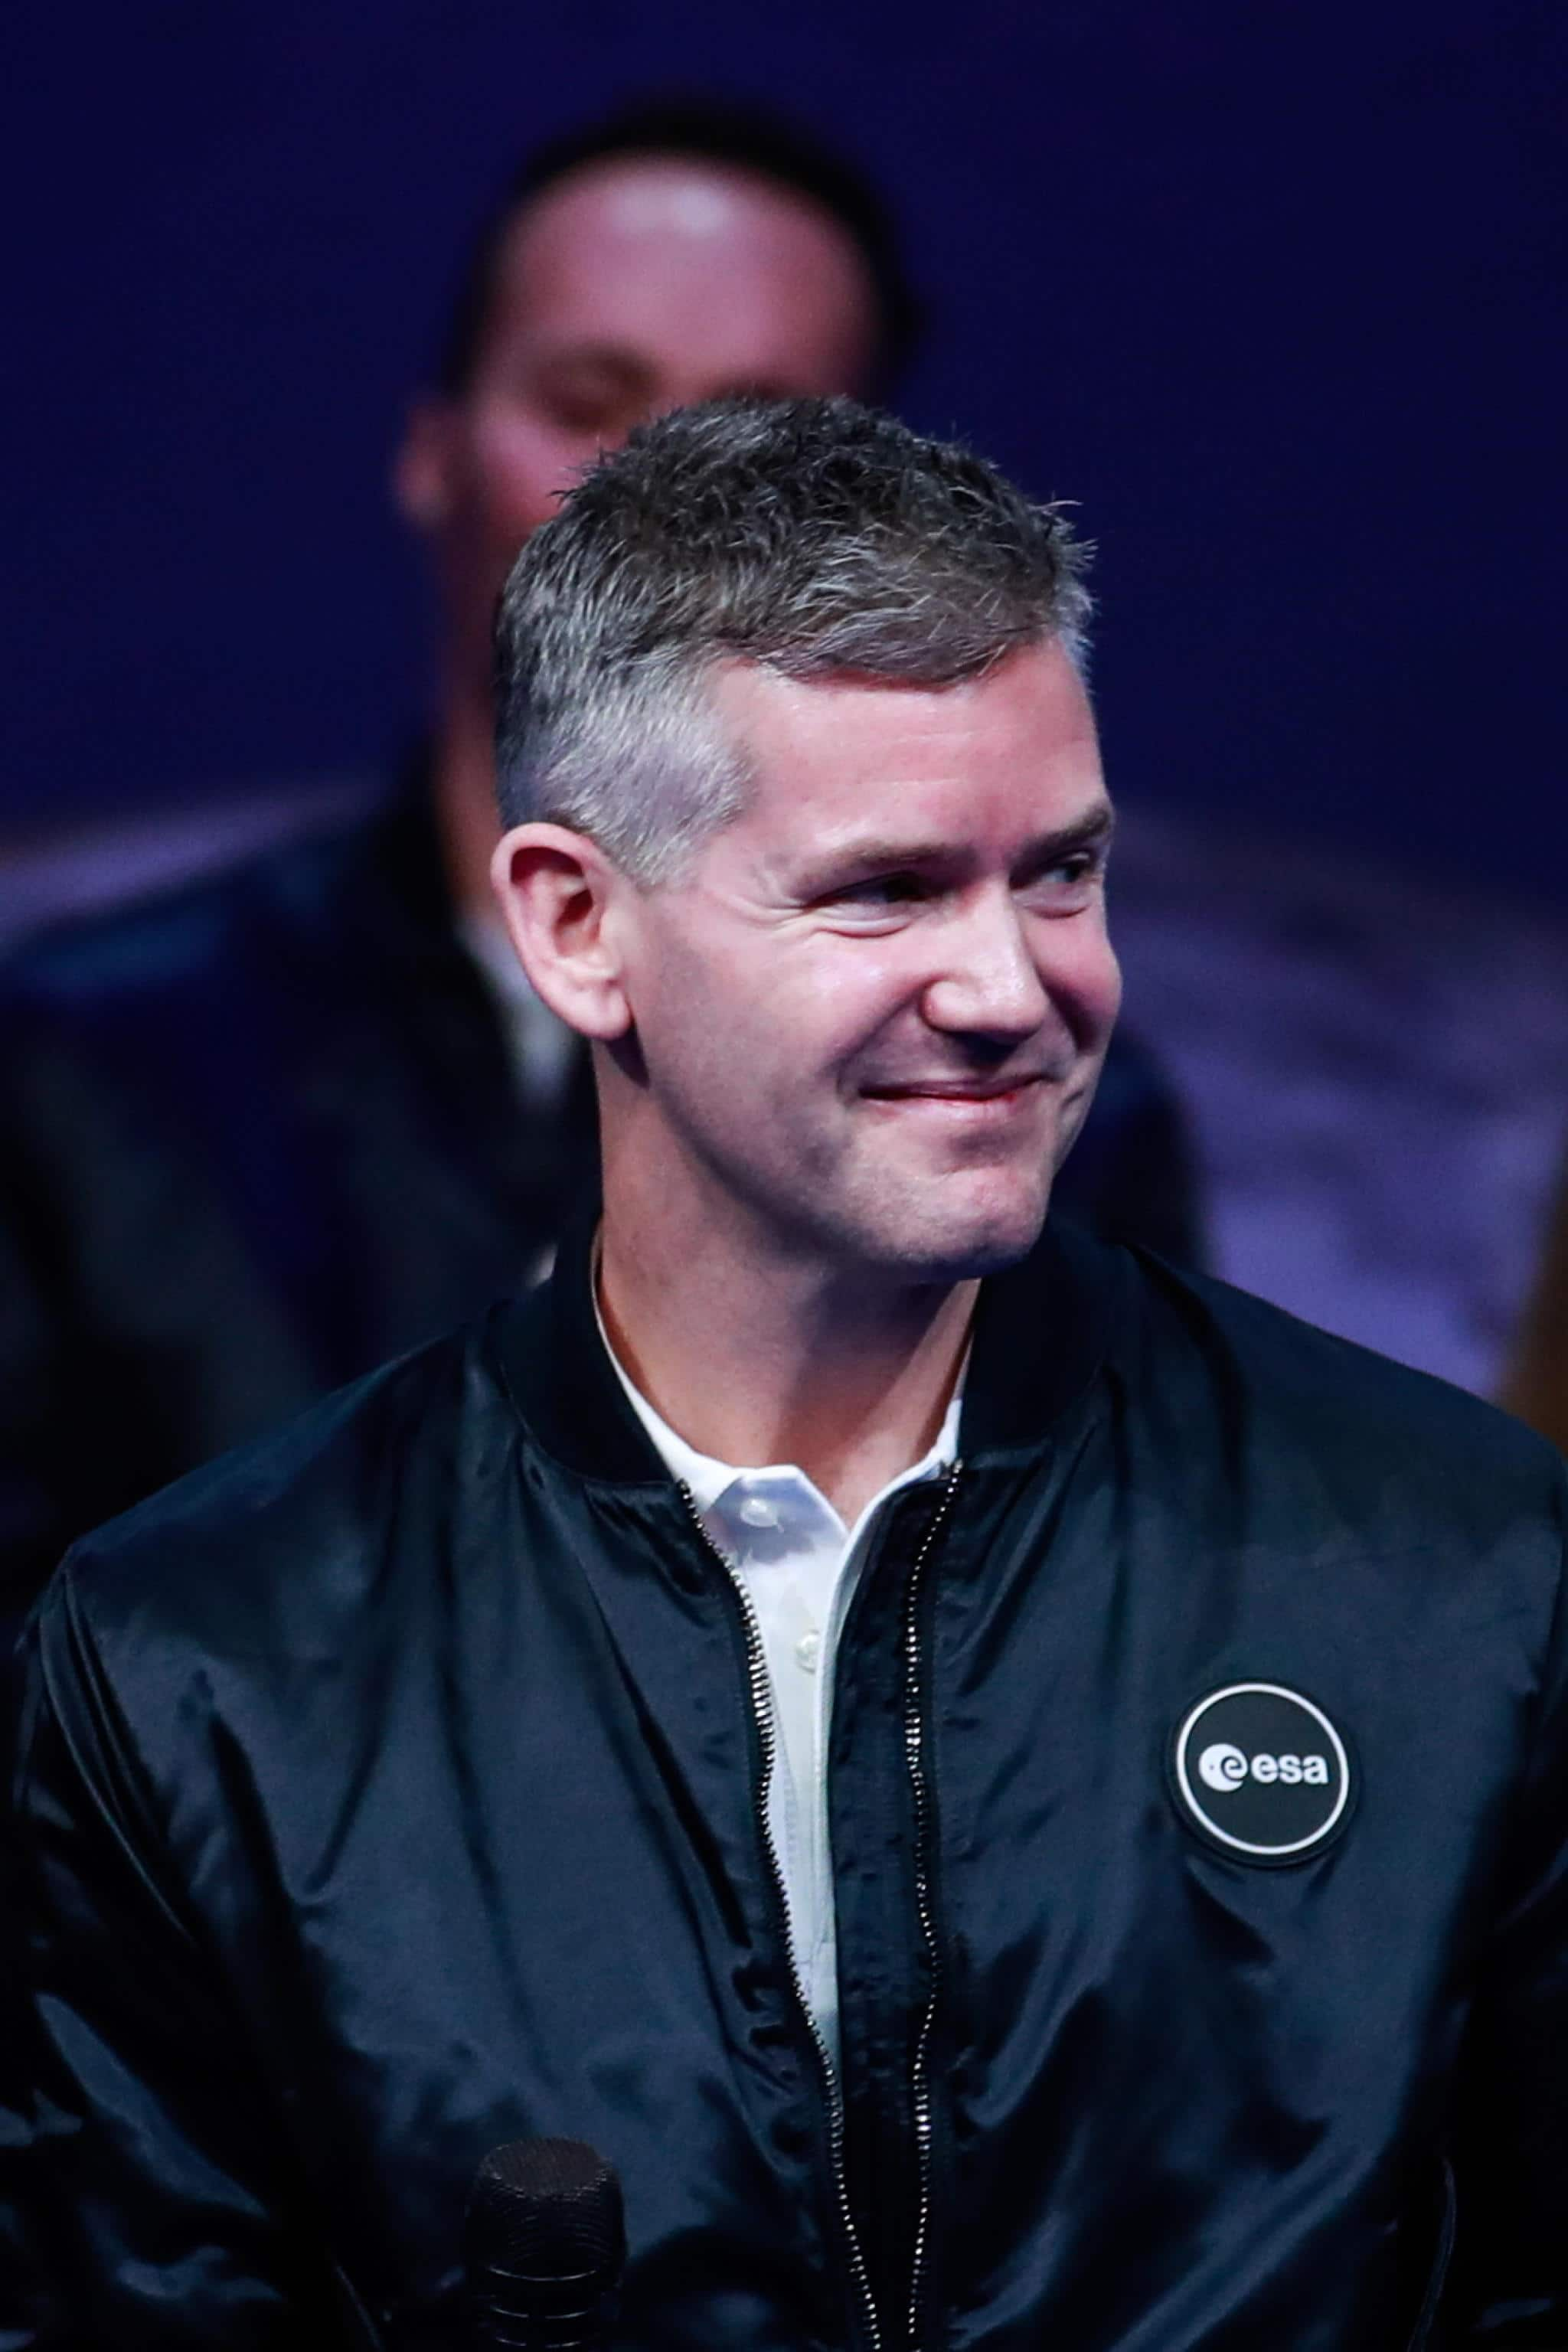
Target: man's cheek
x: 522, y: 473
x: 1085, y: 979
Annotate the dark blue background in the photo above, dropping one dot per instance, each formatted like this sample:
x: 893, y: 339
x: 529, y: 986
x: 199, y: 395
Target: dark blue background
x: 1275, y: 291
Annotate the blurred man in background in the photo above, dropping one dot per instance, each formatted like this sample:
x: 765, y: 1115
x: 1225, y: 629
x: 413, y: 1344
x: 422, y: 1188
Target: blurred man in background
x: 1536, y: 1382
x: 271, y: 1130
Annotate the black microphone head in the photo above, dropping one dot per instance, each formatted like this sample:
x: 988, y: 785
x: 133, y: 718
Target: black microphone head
x: 544, y: 2244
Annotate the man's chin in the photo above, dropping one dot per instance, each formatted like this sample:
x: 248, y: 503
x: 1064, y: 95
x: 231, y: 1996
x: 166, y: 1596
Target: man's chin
x: 965, y: 1244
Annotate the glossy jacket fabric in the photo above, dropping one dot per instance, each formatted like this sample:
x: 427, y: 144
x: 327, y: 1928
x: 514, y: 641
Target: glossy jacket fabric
x: 260, y: 1135
x: 393, y: 1789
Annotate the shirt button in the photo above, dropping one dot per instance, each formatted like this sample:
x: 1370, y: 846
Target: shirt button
x: 757, y: 1513
x: 808, y: 1650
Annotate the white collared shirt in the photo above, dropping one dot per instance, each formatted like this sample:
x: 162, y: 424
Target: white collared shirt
x: 797, y: 1564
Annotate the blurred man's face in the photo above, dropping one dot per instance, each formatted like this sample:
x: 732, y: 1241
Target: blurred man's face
x: 632, y: 286
x: 871, y: 1016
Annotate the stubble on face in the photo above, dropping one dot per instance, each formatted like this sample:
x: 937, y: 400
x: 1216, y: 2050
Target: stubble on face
x: 871, y: 1018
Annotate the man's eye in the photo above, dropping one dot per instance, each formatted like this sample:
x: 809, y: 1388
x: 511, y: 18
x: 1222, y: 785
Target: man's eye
x: 884, y: 890
x: 588, y: 403
x: 588, y: 413
x: 1073, y: 874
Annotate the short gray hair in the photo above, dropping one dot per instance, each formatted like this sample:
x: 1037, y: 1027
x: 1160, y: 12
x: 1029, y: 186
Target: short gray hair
x: 816, y: 537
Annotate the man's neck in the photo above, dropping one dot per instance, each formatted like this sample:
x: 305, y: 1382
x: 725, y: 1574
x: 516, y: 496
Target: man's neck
x: 758, y: 1362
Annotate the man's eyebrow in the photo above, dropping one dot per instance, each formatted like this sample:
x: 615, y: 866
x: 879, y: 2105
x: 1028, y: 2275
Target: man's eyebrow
x: 594, y: 359
x: 1093, y: 830
x: 877, y: 852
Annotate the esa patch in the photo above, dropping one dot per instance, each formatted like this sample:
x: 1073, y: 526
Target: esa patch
x: 1260, y: 1772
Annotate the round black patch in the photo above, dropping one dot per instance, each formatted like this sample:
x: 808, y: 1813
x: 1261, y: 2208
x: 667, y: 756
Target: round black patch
x: 1261, y: 1771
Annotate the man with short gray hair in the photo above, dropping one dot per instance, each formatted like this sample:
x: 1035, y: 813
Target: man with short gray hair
x: 236, y: 1168
x: 669, y: 563
x: 1017, y: 1795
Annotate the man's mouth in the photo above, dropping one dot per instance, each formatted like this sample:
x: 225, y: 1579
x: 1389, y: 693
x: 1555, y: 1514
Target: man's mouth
x: 1002, y: 1087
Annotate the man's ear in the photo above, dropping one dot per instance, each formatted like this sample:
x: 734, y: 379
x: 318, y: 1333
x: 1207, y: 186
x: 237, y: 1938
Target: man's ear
x: 421, y: 469
x: 557, y: 891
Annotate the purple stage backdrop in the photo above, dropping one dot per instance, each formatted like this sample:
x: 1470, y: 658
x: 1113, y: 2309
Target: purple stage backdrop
x: 1275, y: 292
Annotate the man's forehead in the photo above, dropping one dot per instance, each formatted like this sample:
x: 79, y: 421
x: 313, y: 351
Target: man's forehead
x: 618, y: 212
x: 1032, y: 698
x: 839, y: 763
x: 657, y: 195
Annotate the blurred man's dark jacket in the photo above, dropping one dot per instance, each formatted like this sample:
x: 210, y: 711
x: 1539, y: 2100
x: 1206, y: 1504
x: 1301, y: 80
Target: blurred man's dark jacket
x: 261, y: 1134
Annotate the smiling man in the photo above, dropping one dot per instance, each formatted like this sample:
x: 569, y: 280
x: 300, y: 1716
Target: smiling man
x: 849, y: 1046
x: 259, y: 1136
x: 1018, y: 1795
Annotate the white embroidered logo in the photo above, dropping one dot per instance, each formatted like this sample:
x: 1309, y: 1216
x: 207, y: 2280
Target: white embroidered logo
x: 1261, y: 1771
x: 1224, y: 1768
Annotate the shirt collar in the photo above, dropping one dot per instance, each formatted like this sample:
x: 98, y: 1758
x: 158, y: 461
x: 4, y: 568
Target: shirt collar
x: 1043, y: 1332
x: 717, y: 1488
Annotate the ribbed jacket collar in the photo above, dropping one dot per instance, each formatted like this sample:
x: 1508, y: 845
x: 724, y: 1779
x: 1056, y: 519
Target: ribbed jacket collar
x: 1042, y: 1329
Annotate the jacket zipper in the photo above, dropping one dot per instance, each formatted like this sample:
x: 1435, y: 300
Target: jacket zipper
x: 914, y: 1740
x: 767, y: 1734
x: 914, y: 1751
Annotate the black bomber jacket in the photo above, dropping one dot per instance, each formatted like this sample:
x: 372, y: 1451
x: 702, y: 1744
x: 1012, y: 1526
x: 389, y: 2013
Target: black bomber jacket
x: 1199, y: 1812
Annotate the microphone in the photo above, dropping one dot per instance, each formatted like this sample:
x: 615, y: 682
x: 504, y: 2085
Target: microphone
x: 544, y: 2244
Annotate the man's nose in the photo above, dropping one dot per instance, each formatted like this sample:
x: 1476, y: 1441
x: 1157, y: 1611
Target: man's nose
x: 989, y: 983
